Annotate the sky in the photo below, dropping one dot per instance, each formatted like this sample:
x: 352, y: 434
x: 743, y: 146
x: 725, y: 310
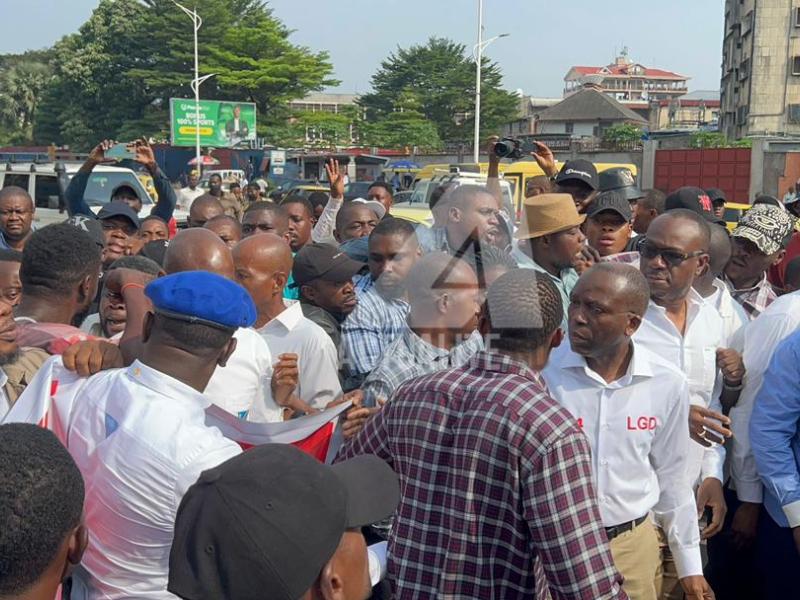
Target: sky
x: 546, y: 37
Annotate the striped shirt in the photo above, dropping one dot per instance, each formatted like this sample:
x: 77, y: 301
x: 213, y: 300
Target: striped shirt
x: 495, y: 477
x: 754, y: 299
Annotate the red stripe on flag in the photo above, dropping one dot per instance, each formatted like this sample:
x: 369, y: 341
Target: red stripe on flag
x: 317, y: 443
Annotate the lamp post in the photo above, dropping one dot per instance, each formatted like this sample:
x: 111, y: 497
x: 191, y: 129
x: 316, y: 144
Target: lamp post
x: 477, y: 52
x: 197, y: 21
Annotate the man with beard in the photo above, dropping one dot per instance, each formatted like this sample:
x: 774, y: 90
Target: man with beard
x: 325, y: 278
x: 16, y: 217
x: 381, y: 312
x: 110, y: 319
x: 472, y: 219
x: 441, y: 328
x: 550, y: 237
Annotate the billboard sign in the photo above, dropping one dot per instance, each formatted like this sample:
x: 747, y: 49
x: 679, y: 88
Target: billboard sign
x: 222, y: 123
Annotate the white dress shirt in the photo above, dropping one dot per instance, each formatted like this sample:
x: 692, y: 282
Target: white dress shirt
x: 694, y: 353
x: 140, y: 440
x: 5, y: 405
x: 188, y: 195
x: 323, y: 229
x: 734, y: 317
x: 317, y: 358
x: 244, y: 383
x: 761, y: 337
x: 638, y: 429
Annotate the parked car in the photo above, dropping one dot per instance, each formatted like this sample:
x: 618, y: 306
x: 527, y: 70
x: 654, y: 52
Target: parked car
x: 41, y: 182
x: 305, y: 190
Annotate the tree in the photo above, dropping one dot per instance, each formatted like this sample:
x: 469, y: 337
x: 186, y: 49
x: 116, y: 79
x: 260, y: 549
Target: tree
x: 115, y: 76
x: 23, y: 80
x: 714, y: 139
x: 403, y: 128
x: 441, y: 77
x: 623, y: 134
x: 323, y: 130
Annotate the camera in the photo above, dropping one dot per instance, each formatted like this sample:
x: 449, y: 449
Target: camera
x: 508, y: 148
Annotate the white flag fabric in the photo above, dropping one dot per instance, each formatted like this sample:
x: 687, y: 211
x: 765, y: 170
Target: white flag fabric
x: 48, y: 401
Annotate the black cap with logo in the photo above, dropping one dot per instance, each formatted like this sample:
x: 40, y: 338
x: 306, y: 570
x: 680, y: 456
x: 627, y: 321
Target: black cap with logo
x: 580, y: 170
x: 614, y: 201
x: 118, y: 208
x: 264, y: 523
x: 694, y: 199
x: 325, y: 262
x: 620, y: 179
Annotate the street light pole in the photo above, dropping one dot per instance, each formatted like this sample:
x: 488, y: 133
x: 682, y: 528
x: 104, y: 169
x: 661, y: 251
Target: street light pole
x: 197, y: 21
x: 477, y: 52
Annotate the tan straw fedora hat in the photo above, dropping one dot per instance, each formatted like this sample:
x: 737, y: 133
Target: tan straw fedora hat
x: 546, y: 214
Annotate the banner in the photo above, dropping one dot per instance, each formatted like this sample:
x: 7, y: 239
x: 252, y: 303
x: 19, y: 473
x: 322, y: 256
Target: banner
x: 48, y: 400
x: 222, y: 123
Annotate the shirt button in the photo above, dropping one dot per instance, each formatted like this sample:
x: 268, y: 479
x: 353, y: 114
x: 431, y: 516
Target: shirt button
x: 604, y: 463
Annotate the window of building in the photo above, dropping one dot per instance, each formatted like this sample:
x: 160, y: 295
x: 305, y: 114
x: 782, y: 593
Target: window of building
x: 797, y: 16
x: 796, y: 65
x: 569, y: 127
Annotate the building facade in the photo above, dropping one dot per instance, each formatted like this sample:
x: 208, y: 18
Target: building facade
x: 627, y: 81
x: 760, y: 85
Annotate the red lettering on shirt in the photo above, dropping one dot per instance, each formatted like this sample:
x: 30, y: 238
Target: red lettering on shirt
x: 642, y: 423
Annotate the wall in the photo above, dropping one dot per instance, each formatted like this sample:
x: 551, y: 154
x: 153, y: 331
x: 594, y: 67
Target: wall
x: 580, y: 129
x: 728, y: 169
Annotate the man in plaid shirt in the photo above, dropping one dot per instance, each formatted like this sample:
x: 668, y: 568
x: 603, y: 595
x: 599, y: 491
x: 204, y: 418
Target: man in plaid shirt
x: 495, y: 476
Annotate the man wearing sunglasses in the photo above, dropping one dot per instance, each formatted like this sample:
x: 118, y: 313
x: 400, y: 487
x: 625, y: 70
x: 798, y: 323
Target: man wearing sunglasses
x: 680, y: 327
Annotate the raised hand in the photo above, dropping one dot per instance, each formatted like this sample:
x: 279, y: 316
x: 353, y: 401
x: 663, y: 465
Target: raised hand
x: 336, y: 178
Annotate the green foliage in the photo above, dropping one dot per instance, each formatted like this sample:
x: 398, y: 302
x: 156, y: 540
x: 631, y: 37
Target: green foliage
x: 115, y: 76
x: 713, y: 139
x: 622, y: 134
x: 23, y: 80
x: 322, y: 130
x: 440, y: 76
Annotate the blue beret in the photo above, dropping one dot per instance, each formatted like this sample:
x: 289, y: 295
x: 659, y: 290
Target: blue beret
x: 202, y: 297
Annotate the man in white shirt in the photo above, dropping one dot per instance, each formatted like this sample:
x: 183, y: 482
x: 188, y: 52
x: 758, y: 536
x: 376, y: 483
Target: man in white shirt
x: 263, y: 263
x: 139, y: 436
x: 680, y: 327
x: 188, y: 194
x: 633, y: 407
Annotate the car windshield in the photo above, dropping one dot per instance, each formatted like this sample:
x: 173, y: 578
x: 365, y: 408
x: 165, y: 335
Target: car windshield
x: 102, y: 184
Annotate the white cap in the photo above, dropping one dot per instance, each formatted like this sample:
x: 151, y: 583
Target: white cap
x: 378, y: 208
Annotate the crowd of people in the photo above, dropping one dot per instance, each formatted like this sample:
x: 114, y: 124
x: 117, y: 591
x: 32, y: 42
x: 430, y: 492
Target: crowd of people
x: 595, y: 401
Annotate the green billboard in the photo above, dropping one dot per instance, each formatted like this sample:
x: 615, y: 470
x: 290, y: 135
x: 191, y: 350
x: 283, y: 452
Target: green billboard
x: 222, y: 123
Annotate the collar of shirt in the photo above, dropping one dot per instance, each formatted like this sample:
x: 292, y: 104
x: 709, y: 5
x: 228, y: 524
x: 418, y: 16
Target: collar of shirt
x: 638, y: 366
x: 758, y: 286
x: 496, y: 362
x: 3, y: 378
x: 424, y: 351
x: 526, y: 262
x: 694, y: 303
x: 288, y: 318
x: 165, y: 385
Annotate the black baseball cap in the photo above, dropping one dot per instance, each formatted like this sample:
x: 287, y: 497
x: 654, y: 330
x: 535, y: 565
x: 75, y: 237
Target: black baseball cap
x: 118, y: 208
x: 581, y: 170
x: 620, y: 179
x: 325, y: 262
x: 694, y: 199
x: 716, y: 195
x: 264, y: 523
x: 91, y: 226
x: 614, y: 201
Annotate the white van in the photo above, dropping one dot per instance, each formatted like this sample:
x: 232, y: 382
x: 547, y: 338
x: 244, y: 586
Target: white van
x: 41, y: 182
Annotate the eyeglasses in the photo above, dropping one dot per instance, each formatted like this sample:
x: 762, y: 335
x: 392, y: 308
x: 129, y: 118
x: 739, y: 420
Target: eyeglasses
x: 673, y: 258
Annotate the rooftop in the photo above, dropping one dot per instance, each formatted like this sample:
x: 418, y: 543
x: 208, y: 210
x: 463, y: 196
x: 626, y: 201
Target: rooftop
x: 590, y: 104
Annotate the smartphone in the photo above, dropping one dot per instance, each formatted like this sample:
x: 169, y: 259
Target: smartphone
x: 120, y: 151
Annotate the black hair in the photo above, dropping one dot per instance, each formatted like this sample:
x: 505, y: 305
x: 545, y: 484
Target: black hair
x: 318, y: 199
x: 253, y: 184
x: 137, y: 263
x: 298, y: 200
x: 524, y: 309
x: 439, y: 193
x: 154, y: 218
x: 234, y: 185
x: 696, y: 218
x: 56, y: 258
x: 266, y: 205
x: 215, y: 175
x: 233, y: 221
x: 459, y: 196
x: 381, y: 184
x: 719, y: 248
x: 635, y: 289
x: 41, y: 502
x: 768, y: 200
x: 489, y: 257
x: 10, y: 255
x: 394, y: 226
x: 653, y: 200
x: 196, y: 338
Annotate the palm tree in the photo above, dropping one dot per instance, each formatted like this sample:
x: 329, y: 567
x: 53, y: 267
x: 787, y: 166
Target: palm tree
x: 21, y: 87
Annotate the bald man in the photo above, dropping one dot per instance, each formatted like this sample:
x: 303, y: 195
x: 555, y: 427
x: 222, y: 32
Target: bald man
x: 227, y: 228
x: 204, y: 208
x: 263, y: 263
x: 441, y: 328
x: 618, y: 391
x: 687, y: 331
x: 354, y: 220
x: 16, y: 217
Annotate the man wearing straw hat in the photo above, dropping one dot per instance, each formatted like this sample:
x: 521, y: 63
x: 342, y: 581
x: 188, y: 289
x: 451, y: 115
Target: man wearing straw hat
x: 549, y: 238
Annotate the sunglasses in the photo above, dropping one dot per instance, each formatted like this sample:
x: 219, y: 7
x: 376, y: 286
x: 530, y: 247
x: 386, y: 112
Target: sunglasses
x: 672, y: 258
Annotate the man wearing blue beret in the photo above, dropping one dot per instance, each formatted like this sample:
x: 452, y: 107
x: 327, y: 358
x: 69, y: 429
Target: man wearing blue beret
x: 139, y: 437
